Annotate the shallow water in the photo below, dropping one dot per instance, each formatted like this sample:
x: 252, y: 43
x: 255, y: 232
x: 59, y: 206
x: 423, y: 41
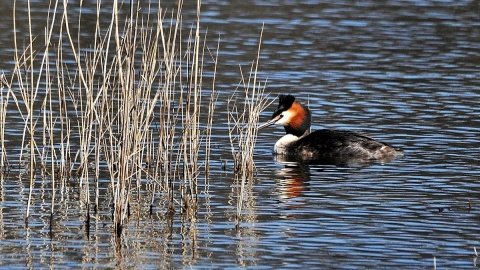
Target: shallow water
x: 406, y: 72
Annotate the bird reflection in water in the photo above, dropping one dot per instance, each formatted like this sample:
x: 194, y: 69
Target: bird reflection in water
x: 294, y: 178
x: 294, y: 181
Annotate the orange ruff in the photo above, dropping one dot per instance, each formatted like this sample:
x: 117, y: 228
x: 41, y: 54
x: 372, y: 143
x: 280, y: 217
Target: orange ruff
x: 300, y: 115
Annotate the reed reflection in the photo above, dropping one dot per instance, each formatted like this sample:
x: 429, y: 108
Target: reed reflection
x: 244, y: 215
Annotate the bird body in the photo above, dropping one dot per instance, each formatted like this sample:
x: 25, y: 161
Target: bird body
x: 325, y: 145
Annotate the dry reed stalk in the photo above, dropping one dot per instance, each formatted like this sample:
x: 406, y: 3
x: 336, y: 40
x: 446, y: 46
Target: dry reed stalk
x: 63, y: 158
x: 168, y: 117
x: 211, y: 111
x: 243, y: 131
x: 30, y: 73
x: 49, y: 124
x: 191, y: 135
x: 28, y: 85
x: 180, y: 112
x: 33, y: 94
x: 86, y: 106
x: 4, y: 98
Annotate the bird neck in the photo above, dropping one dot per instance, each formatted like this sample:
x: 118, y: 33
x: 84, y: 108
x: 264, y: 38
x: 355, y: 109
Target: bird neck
x: 298, y: 132
x: 282, y: 145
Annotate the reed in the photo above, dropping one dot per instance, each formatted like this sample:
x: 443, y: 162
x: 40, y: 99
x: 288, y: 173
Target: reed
x: 5, y: 89
x: 127, y: 108
x: 243, y: 121
x: 28, y: 86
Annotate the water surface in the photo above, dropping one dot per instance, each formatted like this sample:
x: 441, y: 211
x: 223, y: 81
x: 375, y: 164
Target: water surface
x: 405, y: 72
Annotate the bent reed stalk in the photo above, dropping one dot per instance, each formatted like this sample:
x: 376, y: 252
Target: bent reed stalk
x: 4, y: 98
x: 128, y: 107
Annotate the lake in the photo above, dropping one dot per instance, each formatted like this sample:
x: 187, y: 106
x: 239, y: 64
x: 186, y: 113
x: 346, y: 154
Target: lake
x: 404, y: 72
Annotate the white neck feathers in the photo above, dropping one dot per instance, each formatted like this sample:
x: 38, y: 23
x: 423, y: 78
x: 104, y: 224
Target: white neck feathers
x: 282, y: 144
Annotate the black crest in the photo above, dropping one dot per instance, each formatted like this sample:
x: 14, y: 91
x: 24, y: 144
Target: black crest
x: 284, y: 103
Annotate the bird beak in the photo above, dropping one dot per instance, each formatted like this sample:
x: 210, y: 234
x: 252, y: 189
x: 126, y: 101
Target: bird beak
x: 269, y: 123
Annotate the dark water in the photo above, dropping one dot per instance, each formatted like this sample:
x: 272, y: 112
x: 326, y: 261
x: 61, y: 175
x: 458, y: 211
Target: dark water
x: 406, y: 72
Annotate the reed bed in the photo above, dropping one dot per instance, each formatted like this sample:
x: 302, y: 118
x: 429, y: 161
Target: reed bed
x: 129, y: 107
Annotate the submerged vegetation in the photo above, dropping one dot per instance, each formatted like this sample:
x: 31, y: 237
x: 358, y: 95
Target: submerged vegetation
x: 131, y: 105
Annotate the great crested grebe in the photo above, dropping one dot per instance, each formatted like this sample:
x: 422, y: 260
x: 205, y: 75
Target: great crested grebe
x: 325, y: 145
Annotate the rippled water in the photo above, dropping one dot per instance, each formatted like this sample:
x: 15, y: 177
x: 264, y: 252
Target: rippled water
x: 406, y: 72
